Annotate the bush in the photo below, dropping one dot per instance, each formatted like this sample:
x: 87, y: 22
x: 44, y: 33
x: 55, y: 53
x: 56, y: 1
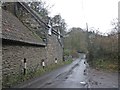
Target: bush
x: 105, y: 64
x: 67, y: 52
x: 74, y: 54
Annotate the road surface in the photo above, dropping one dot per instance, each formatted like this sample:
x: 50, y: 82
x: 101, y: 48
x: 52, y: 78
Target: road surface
x: 103, y: 79
x: 76, y: 75
x: 69, y: 76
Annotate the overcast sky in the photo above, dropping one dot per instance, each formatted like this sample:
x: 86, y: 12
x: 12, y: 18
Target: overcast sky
x: 97, y: 13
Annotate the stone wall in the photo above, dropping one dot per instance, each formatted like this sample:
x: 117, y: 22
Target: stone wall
x: 54, y: 49
x: 13, y: 56
x: 13, y: 53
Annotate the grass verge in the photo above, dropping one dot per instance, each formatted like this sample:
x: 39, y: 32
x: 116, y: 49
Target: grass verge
x: 12, y: 80
x: 106, y: 65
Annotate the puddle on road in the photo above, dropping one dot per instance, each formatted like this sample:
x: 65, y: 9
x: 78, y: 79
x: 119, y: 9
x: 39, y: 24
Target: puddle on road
x: 49, y: 83
x: 66, y: 77
x: 62, y: 76
x: 66, y: 74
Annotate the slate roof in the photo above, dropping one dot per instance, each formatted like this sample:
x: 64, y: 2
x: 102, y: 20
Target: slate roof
x: 13, y: 29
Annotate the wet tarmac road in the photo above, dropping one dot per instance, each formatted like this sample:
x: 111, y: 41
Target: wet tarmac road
x: 69, y: 76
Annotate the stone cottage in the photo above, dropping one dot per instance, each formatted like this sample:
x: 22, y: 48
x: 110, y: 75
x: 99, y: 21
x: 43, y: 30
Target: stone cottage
x: 21, y: 42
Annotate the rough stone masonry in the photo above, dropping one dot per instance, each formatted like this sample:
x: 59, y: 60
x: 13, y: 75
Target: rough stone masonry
x: 19, y: 43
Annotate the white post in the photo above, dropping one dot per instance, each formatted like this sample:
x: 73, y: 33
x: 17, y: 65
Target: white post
x: 43, y: 64
x: 25, y: 66
x: 55, y: 60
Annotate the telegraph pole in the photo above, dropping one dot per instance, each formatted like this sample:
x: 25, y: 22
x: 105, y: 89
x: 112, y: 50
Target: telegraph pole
x: 87, y: 37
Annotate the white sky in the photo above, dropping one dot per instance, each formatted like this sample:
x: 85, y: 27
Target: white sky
x: 97, y: 13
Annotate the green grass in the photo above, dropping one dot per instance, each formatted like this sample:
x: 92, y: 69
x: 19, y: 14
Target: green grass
x: 12, y: 80
x: 52, y: 67
x: 105, y: 64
